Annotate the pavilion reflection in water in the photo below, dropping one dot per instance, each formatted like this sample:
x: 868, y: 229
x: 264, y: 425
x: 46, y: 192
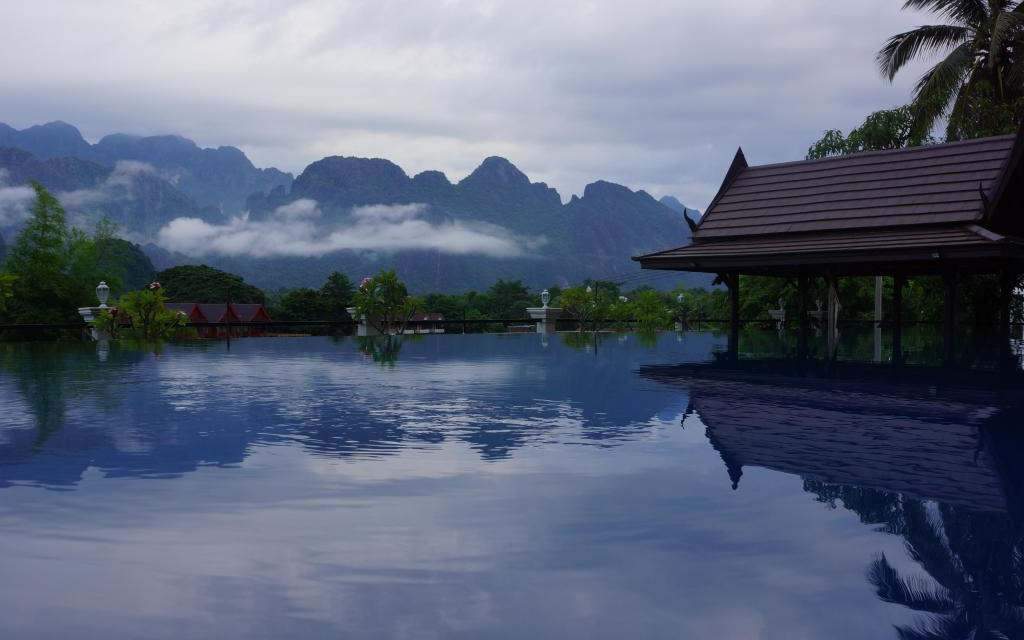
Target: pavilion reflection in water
x: 939, y: 469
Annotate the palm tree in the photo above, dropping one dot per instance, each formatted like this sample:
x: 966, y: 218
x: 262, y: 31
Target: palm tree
x: 977, y: 585
x: 979, y: 83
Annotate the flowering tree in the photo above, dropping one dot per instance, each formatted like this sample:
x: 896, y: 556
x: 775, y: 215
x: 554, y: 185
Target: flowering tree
x: 147, y: 316
x: 385, y: 303
x: 586, y: 305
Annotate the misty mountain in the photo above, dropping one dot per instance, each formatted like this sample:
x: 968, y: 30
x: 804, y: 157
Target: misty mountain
x: 221, y: 178
x: 356, y: 215
x: 610, y: 219
x: 592, y: 236
x: 132, y: 195
x: 51, y: 140
x: 674, y: 204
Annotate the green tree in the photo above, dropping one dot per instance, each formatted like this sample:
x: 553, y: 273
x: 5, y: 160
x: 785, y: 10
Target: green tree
x: 200, y: 283
x: 147, y: 314
x: 587, y: 305
x: 451, y: 306
x: 880, y: 131
x: 39, y: 260
x: 982, y: 43
x: 509, y: 299
x: 385, y: 303
x: 119, y: 260
x: 605, y: 289
x: 336, y: 295
x: 6, y: 290
x: 55, y: 267
x: 301, y: 304
x: 651, y: 310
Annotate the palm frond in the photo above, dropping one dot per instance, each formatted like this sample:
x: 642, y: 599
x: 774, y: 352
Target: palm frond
x: 904, y: 47
x: 1015, y: 74
x: 1013, y: 617
x: 971, y: 12
x: 924, y: 542
x: 912, y: 592
x: 937, y: 88
x: 957, y: 115
x: 1007, y: 30
x: 945, y: 628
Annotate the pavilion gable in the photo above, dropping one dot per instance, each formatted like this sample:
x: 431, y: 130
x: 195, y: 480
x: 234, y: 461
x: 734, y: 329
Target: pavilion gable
x: 937, y: 184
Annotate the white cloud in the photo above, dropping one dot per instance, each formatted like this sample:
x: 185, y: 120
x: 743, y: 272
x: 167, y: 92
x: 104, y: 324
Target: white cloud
x: 118, y: 185
x: 300, y: 209
x: 652, y: 94
x: 387, y: 212
x: 295, y: 230
x: 14, y: 201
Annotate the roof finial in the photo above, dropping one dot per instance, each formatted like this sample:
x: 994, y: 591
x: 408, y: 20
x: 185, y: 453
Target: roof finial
x: 689, y: 222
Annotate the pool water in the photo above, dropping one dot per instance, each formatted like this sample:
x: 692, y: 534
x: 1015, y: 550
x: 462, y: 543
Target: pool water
x: 495, y: 486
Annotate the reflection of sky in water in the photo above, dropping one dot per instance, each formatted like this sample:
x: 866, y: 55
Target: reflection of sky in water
x: 483, y: 486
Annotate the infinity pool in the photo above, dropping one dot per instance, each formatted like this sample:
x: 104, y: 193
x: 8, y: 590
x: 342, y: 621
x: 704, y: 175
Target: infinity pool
x: 489, y: 486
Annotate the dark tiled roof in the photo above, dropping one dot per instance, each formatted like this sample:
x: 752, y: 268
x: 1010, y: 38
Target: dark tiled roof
x: 249, y: 312
x: 215, y: 312
x: 897, y: 239
x: 923, y: 185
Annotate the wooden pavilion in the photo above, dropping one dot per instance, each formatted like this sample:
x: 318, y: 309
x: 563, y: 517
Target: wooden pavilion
x: 941, y: 210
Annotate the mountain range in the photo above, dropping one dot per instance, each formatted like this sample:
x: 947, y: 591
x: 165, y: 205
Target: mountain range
x: 187, y: 204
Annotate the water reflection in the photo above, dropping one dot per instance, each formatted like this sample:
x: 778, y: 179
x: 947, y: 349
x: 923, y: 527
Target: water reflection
x: 940, y: 470
x: 163, y: 414
x: 489, y: 486
x: 383, y: 349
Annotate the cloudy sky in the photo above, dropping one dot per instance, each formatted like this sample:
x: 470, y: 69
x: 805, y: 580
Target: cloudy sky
x: 652, y: 94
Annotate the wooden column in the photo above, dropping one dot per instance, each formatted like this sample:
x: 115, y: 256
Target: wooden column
x: 950, y: 312
x: 832, y: 317
x: 879, y: 291
x: 1007, y: 281
x: 732, y: 281
x: 898, y: 282
x: 803, y: 286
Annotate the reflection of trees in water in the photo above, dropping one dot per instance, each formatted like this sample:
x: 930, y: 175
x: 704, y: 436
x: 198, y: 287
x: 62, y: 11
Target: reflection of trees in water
x: 382, y: 349
x: 872, y: 506
x: 975, y: 560
x: 40, y: 371
x: 647, y: 338
x: 126, y: 420
x: 37, y: 372
x: 583, y: 340
x: 940, y: 469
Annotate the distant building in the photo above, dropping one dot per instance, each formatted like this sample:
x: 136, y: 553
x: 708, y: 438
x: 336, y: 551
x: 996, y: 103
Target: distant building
x: 244, y: 315
x: 426, y: 323
x: 188, y: 309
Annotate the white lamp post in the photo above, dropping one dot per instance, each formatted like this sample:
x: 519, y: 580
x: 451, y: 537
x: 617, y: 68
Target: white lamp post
x: 102, y: 294
x: 546, y: 317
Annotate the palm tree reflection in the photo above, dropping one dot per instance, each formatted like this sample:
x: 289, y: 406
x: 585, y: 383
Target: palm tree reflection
x: 941, y: 471
x: 977, y: 578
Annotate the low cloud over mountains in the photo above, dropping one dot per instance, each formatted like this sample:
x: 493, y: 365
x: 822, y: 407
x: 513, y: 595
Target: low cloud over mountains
x: 298, y: 230
x: 347, y: 213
